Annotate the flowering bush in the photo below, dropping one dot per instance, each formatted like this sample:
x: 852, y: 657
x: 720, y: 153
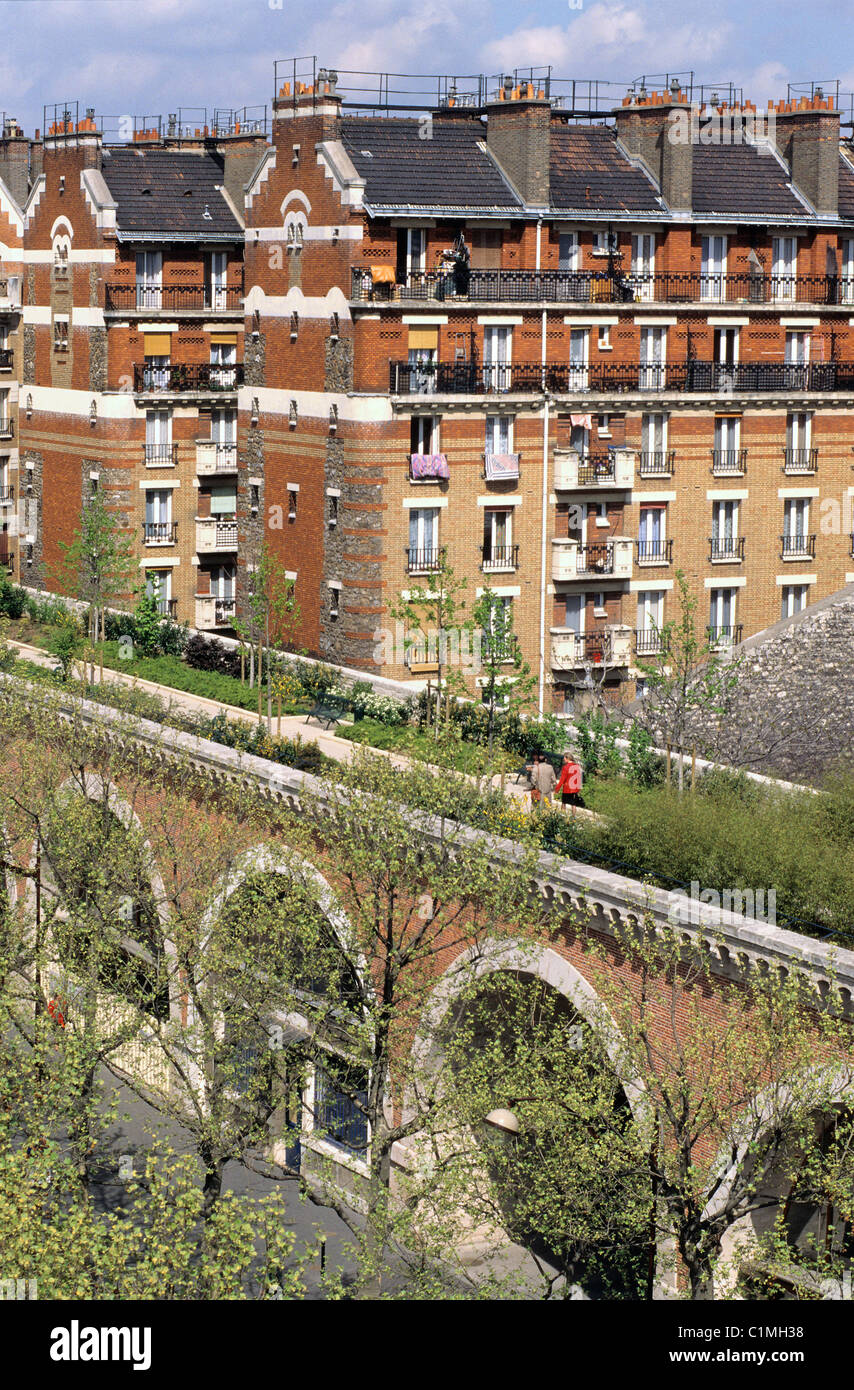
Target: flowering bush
x: 366, y: 704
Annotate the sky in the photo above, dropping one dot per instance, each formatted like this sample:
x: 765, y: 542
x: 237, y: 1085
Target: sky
x: 142, y: 57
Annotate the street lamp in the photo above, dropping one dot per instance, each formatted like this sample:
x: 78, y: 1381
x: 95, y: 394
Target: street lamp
x: 503, y: 1121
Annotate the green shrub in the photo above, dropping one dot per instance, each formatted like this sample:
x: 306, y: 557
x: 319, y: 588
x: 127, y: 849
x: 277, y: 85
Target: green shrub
x: 644, y: 768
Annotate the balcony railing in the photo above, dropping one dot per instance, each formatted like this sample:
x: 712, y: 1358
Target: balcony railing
x: 729, y: 461
x: 499, y: 557
x: 423, y: 561
x: 648, y: 641
x: 573, y: 469
x: 167, y: 607
x: 658, y: 552
x: 498, y: 648
x: 571, y: 559
x: 7, y: 494
x: 797, y: 547
x: 215, y: 535
x: 212, y: 611
x: 720, y: 638
x: 7, y: 359
x: 596, y: 468
x: 567, y: 379
x: 606, y: 286
x: 726, y: 549
x: 606, y: 646
x: 657, y: 463
x: 174, y: 299
x: 160, y: 455
x: 7, y: 429
x: 160, y: 532
x: 196, y: 376
x: 212, y: 457
x: 7, y: 560
x: 800, y: 460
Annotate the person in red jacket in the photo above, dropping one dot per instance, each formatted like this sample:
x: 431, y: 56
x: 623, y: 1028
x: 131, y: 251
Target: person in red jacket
x: 569, y: 782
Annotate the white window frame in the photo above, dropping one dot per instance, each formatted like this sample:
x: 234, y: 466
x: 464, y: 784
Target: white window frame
x: 794, y: 599
x: 643, y: 265
x: 713, y: 268
x: 784, y: 267
x: 494, y: 427
x: 149, y: 280
x: 579, y: 359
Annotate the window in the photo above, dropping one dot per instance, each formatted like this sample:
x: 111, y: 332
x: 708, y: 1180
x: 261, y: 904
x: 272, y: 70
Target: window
x: 784, y: 267
x: 158, y: 585
x: 222, y: 582
x: 499, y: 434
x: 423, y: 354
x: 497, y: 345
x: 340, y: 1095
x: 223, y: 361
x: 579, y: 351
x: 604, y: 337
x: 567, y: 251
x: 333, y: 510
x: 653, y: 351
x: 498, y: 549
x: 797, y: 360
x: 334, y: 596
x: 796, y: 515
x: 497, y: 637
x: 217, y: 291
x: 224, y: 435
x: 725, y: 543
x: 411, y: 253
x: 149, y: 280
x: 653, y: 460
x: 713, y: 268
x: 424, y: 434
x: 293, y: 494
x: 650, y: 622
x: 158, y: 516
x: 847, y: 286
x: 799, y: 455
x: 60, y: 333
x: 254, y: 497
x: 158, y: 437
x: 604, y: 243
x: 722, y: 627
x: 651, y: 547
x: 727, y: 456
x: 574, y: 613
x: 423, y: 539
x: 643, y: 264
x: 794, y: 599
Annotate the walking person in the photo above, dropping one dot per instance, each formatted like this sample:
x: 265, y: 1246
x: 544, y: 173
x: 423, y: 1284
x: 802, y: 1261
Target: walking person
x: 543, y: 780
x: 569, y: 782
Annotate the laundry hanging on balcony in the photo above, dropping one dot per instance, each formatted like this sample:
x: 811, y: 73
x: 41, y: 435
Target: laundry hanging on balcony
x: 429, y: 466
x: 383, y: 274
x: 501, y: 467
x: 581, y: 422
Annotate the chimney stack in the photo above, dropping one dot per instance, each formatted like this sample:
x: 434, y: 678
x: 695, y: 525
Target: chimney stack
x: 15, y: 161
x: 517, y: 135
x: 807, y: 136
x: 656, y: 128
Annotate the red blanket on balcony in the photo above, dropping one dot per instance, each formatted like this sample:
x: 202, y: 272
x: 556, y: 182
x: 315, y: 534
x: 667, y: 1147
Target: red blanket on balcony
x: 429, y: 466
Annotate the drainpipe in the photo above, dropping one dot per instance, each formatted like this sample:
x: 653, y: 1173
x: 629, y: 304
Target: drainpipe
x: 545, y: 498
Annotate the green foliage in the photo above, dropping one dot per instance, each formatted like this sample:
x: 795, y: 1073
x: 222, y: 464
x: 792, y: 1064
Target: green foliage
x: 253, y: 738
x: 146, y: 627
x: 65, y: 644
x: 644, y: 768
x: 315, y: 678
x: 13, y: 599
x: 597, y: 746
x: 366, y: 704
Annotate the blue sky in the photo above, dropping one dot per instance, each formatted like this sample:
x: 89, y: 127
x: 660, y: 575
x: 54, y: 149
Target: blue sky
x: 127, y: 57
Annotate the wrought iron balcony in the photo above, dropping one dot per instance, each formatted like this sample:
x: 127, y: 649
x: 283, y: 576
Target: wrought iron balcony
x: 160, y: 532
x: 7, y: 494
x: 726, y: 549
x: 797, y: 547
x: 658, y: 552
x: 167, y: 607
x: 574, y: 469
x: 572, y: 559
x: 498, y: 648
x: 499, y: 557
x: 729, y: 461
x: 172, y: 299
x: 649, y: 641
x: 606, y: 286
x: 212, y: 535
x: 212, y: 457
x: 7, y: 359
x: 160, y: 455
x: 719, y: 638
x: 212, y: 611
x: 800, y: 460
x: 423, y: 561
x: 7, y: 429
x: 570, y: 379
x: 657, y: 463
x: 609, y: 646
x: 185, y: 377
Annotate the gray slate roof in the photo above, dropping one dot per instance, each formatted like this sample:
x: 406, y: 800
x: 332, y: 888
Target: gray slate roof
x: 846, y: 190
x: 450, y: 169
x: 743, y: 179
x: 165, y: 192
x: 589, y: 172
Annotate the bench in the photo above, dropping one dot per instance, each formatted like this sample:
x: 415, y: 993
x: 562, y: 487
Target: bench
x: 328, y: 712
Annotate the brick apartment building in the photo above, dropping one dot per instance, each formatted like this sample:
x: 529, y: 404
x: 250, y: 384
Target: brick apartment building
x: 14, y: 190
x: 563, y: 347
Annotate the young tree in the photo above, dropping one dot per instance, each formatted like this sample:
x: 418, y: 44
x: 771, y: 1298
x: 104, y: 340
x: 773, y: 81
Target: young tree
x: 433, y: 617
x: 508, y: 680
x: 98, y: 565
x: 271, y: 616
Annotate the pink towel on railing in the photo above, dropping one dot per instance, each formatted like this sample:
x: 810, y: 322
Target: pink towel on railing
x: 501, y: 466
x: 429, y: 466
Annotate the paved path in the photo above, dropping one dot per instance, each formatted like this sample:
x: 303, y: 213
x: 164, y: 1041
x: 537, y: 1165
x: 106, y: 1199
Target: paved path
x: 292, y: 726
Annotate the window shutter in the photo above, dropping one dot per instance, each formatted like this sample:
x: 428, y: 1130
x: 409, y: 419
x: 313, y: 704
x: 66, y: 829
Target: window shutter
x: 423, y: 338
